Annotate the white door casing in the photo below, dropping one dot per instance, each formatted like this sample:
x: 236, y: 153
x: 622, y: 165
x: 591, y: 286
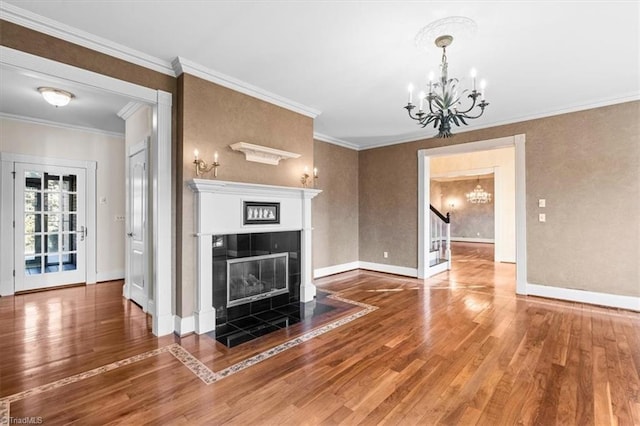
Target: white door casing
x: 136, y: 284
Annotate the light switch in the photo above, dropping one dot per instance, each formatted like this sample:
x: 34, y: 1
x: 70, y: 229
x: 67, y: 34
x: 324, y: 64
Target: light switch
x: 542, y: 202
x: 542, y: 217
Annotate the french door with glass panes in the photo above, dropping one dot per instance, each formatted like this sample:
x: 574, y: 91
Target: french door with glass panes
x: 50, y: 225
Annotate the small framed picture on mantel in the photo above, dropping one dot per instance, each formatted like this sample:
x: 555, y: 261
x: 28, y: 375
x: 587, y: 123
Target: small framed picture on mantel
x: 260, y: 213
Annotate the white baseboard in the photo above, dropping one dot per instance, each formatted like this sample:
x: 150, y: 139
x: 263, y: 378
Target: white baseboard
x: 390, y: 269
x: 110, y: 275
x: 473, y: 240
x: 183, y: 326
x: 336, y: 269
x: 603, y: 299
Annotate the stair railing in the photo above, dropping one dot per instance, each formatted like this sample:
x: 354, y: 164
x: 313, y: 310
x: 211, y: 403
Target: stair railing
x: 440, y: 245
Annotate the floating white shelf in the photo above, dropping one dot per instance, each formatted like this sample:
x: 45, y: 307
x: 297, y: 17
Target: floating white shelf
x: 262, y: 154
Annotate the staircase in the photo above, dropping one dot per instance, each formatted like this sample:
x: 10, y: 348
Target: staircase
x: 440, y: 242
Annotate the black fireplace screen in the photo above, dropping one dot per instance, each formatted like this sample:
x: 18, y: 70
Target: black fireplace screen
x: 257, y: 277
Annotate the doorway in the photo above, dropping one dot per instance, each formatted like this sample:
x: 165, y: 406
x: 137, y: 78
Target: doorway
x: 424, y: 174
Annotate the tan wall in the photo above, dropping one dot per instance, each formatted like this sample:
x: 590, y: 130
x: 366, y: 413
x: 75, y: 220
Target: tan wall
x: 469, y: 220
x: 585, y: 164
x: 504, y: 160
x: 335, y: 210
x: 107, y: 151
x: 214, y: 117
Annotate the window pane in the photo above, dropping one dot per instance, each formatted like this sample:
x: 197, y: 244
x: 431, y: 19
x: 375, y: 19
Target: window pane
x: 51, y: 182
x: 69, y: 203
x: 52, y: 243
x: 51, y: 222
x: 32, y: 244
x: 32, y: 181
x: 32, y: 223
x: 51, y: 260
x: 69, y: 183
x: 69, y: 242
x: 52, y: 202
x: 69, y: 262
x: 32, y: 265
x: 69, y: 222
x: 32, y: 201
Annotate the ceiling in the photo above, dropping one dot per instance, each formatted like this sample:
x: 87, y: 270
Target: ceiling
x: 353, y: 60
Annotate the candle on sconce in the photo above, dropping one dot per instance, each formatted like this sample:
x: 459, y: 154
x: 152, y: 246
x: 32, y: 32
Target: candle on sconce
x: 410, y: 93
x: 215, y: 157
x: 483, y: 88
x: 196, y: 153
x: 315, y: 172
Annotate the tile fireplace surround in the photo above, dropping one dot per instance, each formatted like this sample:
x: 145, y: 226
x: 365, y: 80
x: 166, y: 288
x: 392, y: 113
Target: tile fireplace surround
x: 219, y: 207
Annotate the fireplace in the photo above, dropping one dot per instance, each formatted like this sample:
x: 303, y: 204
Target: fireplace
x: 254, y: 272
x: 257, y: 277
x: 227, y: 231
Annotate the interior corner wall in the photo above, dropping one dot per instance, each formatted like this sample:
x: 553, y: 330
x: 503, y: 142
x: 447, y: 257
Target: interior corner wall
x: 212, y: 118
x: 586, y: 165
x: 335, y: 210
x: 20, y: 137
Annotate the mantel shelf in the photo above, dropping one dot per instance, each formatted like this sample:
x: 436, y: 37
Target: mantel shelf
x: 262, y: 154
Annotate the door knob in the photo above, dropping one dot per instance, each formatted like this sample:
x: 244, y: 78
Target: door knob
x: 129, y: 234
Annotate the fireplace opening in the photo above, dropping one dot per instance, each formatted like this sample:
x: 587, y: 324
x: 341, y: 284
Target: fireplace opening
x: 257, y: 277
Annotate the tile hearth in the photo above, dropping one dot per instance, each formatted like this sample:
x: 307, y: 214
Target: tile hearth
x: 247, y: 328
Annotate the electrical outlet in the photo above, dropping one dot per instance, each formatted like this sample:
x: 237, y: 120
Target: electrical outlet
x: 542, y: 202
x: 386, y: 254
x: 119, y: 218
x: 542, y: 217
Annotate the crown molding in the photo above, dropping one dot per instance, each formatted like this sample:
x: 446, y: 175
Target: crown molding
x: 185, y: 66
x: 65, y: 126
x: 630, y: 97
x: 335, y: 141
x: 129, y: 109
x: 65, y: 32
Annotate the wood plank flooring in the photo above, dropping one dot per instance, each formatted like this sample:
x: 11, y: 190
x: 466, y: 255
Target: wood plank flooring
x: 460, y: 348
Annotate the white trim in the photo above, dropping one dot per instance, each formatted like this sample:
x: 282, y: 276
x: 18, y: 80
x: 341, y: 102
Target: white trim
x: 593, y: 298
x: 473, y: 240
x: 73, y: 35
x: 418, y: 137
x: 335, y: 141
x: 160, y: 191
x: 424, y: 224
x: 129, y: 109
x: 389, y: 269
x: 59, y: 125
x: 521, y: 213
x: 110, y: 275
x: 22, y: 60
x: 184, y: 326
x: 185, y: 66
x: 335, y: 269
x: 467, y: 173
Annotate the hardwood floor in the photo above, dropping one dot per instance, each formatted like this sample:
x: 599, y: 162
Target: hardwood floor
x: 459, y: 348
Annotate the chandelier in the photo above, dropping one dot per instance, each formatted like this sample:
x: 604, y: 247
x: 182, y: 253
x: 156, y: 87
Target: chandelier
x: 443, y: 99
x: 478, y: 195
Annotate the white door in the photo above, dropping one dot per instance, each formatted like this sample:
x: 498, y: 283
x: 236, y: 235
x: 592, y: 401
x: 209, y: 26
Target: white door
x: 137, y: 221
x: 50, y: 226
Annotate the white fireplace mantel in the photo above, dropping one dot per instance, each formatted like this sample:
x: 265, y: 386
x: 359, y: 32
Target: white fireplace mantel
x: 219, y: 211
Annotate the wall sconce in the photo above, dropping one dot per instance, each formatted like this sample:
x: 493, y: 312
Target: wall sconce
x: 305, y: 177
x: 203, y: 167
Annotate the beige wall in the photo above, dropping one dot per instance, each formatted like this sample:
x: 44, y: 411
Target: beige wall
x: 212, y: 118
x: 335, y: 210
x: 469, y: 220
x: 503, y: 162
x: 585, y: 164
x: 41, y: 140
